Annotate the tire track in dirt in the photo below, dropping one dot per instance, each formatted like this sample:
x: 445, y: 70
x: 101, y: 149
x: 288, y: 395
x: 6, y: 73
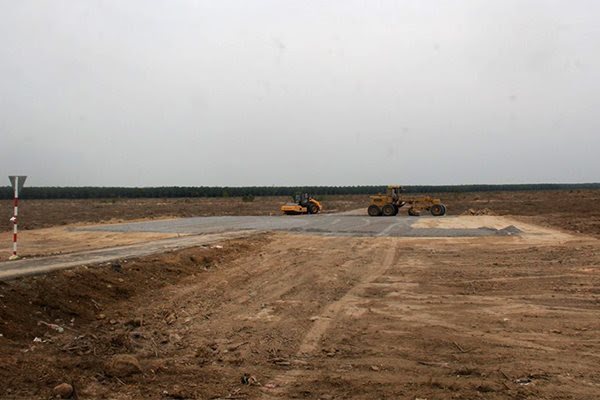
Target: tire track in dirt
x: 323, y: 322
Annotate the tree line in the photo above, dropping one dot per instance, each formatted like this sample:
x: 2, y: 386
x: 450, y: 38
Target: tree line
x: 93, y: 192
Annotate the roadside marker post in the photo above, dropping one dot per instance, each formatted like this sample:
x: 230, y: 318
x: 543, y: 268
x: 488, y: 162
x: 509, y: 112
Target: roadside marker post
x: 17, y: 182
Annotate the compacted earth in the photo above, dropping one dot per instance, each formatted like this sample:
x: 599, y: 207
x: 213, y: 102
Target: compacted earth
x: 281, y: 315
x: 576, y: 210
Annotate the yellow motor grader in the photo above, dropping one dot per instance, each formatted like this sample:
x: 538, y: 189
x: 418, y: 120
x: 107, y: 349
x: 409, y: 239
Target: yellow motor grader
x: 389, y: 204
x: 303, y: 204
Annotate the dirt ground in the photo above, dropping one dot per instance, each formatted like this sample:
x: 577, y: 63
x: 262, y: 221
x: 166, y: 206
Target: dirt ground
x: 59, y: 240
x: 47, y: 226
x: 575, y: 210
x: 35, y: 214
x: 286, y: 316
x: 572, y: 211
x: 278, y: 316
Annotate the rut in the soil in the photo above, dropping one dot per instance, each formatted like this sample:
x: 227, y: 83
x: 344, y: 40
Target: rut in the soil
x: 322, y: 322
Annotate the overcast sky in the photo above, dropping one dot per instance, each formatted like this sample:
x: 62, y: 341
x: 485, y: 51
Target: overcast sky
x: 276, y: 92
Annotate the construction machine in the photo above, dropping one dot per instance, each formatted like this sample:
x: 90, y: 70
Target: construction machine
x: 303, y: 204
x: 389, y: 204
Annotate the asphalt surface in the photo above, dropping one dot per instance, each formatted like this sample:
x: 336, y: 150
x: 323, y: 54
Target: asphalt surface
x: 332, y: 224
x: 35, y: 266
x: 202, y: 230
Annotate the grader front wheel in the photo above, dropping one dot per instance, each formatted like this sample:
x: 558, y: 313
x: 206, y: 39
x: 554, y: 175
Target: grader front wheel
x: 437, y: 210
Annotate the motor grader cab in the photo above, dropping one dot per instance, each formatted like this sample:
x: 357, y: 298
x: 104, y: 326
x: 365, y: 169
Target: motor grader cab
x: 303, y: 204
x: 389, y: 204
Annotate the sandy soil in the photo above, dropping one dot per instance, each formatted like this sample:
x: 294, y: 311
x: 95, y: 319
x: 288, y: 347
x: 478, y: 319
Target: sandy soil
x: 67, y: 239
x: 63, y: 239
x: 295, y: 316
x: 46, y: 227
x: 35, y: 214
x: 571, y: 210
x: 576, y: 211
x: 298, y: 316
x: 50, y: 241
x: 528, y: 232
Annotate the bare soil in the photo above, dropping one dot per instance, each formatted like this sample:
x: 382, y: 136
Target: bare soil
x: 286, y: 316
x: 59, y: 240
x: 572, y: 210
x: 46, y: 226
x: 296, y: 316
x: 35, y: 214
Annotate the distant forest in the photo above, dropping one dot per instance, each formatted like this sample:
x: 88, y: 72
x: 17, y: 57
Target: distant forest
x: 205, y: 191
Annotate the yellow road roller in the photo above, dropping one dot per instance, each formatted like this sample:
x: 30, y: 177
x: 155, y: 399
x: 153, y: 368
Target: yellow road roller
x: 303, y: 204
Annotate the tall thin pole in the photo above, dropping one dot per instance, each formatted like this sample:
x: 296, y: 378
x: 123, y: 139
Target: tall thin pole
x: 15, y: 215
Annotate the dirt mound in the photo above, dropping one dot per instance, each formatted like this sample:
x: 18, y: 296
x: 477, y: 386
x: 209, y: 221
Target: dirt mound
x: 509, y: 231
x: 79, y: 325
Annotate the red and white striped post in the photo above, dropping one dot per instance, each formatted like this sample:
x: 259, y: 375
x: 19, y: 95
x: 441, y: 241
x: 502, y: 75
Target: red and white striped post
x: 14, y: 219
x: 17, y: 183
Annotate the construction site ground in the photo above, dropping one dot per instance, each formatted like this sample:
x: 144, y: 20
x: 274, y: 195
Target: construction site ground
x: 576, y: 210
x: 310, y: 314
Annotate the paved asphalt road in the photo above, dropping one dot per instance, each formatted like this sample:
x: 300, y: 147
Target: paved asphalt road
x: 201, y: 230
x: 35, y: 266
x: 326, y: 224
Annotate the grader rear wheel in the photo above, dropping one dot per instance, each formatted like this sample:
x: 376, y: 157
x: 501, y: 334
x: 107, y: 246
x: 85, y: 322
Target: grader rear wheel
x: 374, y: 211
x: 388, y: 210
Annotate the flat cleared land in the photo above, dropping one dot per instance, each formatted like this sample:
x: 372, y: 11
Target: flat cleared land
x: 577, y: 210
x: 314, y: 315
x: 574, y: 211
x: 37, y: 214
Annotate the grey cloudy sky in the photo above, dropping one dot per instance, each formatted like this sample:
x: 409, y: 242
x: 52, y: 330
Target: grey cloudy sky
x: 276, y: 92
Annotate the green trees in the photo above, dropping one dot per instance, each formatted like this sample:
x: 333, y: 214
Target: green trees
x: 93, y: 192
